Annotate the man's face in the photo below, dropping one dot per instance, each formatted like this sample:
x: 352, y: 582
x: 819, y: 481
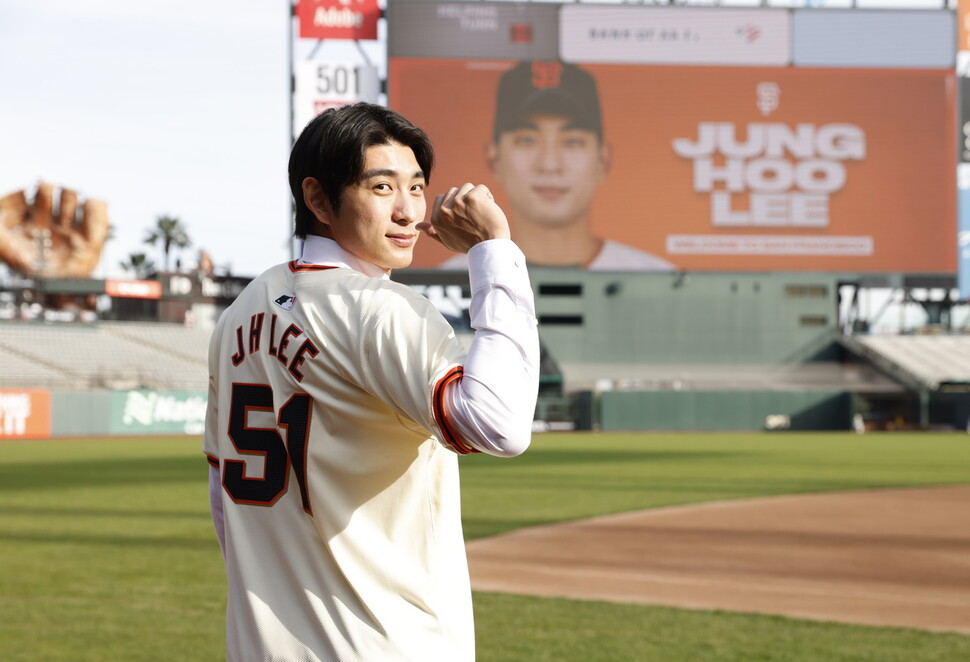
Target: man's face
x: 549, y: 169
x: 378, y: 213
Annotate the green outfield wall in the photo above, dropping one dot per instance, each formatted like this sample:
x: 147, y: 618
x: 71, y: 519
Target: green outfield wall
x: 686, y: 318
x: 81, y: 414
x: 142, y: 412
x: 136, y: 413
x: 127, y: 413
x: 723, y: 410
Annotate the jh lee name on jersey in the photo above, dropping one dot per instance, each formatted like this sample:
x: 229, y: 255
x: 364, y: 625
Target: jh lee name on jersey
x: 279, y: 344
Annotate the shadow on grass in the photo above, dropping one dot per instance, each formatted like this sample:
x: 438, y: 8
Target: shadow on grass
x: 136, y: 512
x: 115, y: 542
x: 101, y: 473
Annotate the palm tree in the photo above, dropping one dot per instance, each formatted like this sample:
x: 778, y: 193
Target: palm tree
x: 140, y: 265
x: 171, y: 233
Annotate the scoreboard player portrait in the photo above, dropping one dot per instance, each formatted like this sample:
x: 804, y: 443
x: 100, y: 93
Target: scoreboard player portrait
x: 549, y: 155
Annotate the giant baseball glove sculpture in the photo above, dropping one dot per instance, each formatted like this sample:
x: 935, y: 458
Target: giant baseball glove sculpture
x: 37, y: 240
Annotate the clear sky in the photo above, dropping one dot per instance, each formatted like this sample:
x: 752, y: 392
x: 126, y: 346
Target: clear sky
x: 177, y: 107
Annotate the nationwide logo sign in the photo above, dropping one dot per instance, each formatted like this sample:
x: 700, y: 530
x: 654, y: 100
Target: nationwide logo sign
x: 338, y: 19
x: 148, y: 412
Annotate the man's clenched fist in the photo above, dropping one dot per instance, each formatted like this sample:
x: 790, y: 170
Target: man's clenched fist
x: 38, y: 240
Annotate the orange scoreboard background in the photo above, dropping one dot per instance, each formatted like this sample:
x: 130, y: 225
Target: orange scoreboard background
x: 735, y: 168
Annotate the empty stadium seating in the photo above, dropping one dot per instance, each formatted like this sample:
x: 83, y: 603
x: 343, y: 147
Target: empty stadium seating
x: 105, y: 355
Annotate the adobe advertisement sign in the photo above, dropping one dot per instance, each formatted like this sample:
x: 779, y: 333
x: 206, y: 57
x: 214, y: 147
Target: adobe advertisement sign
x: 735, y: 168
x: 337, y: 19
x: 25, y: 414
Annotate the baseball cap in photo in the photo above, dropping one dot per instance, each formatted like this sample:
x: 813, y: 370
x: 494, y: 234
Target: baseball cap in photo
x: 557, y: 88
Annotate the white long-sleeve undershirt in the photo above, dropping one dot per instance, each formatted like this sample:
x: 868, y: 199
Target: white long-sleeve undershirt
x: 493, y: 405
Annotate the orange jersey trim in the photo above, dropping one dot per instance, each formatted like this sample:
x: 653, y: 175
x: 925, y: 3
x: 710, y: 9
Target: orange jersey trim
x: 212, y: 460
x: 451, y: 436
x: 295, y: 267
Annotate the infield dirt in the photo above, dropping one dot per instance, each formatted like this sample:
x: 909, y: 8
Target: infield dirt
x: 896, y: 558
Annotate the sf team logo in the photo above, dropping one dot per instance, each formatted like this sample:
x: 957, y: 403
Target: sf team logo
x: 546, y: 75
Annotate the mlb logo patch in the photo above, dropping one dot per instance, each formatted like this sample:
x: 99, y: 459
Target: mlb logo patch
x: 285, y: 301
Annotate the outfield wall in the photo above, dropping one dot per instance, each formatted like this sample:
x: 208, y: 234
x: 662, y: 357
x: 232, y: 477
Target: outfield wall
x: 686, y: 318
x: 40, y: 414
x: 723, y: 410
x: 665, y: 318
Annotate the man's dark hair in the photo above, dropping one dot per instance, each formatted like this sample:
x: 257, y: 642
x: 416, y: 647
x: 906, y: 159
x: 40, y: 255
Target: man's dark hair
x: 332, y: 148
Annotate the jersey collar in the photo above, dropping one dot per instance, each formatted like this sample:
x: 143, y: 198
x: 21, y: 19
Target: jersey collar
x: 325, y: 251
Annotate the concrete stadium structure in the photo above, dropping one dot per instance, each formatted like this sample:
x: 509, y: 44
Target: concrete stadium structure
x: 621, y: 351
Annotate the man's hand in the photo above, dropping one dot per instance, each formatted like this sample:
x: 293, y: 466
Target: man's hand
x: 35, y: 241
x: 466, y: 216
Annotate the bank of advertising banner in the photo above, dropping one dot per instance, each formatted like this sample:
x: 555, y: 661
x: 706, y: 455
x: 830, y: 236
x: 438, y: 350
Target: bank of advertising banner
x: 723, y: 168
x: 628, y: 34
x: 25, y: 414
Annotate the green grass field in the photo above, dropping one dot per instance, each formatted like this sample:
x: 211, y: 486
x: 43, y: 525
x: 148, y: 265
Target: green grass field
x: 107, y: 552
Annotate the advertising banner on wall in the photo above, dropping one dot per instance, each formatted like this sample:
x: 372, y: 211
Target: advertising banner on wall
x: 711, y: 36
x: 133, y: 289
x: 25, y: 414
x: 963, y: 26
x: 699, y: 168
x: 474, y: 29
x: 153, y: 412
x: 963, y: 234
x: 963, y: 149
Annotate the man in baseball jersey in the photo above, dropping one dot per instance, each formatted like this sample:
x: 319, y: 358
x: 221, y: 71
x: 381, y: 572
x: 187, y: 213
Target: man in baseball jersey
x: 549, y: 154
x: 339, y: 402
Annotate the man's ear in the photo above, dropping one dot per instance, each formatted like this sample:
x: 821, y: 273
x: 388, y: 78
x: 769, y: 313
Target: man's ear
x: 317, y: 200
x: 606, y: 157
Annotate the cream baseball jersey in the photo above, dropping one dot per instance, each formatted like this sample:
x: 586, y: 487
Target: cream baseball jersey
x: 338, y: 467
